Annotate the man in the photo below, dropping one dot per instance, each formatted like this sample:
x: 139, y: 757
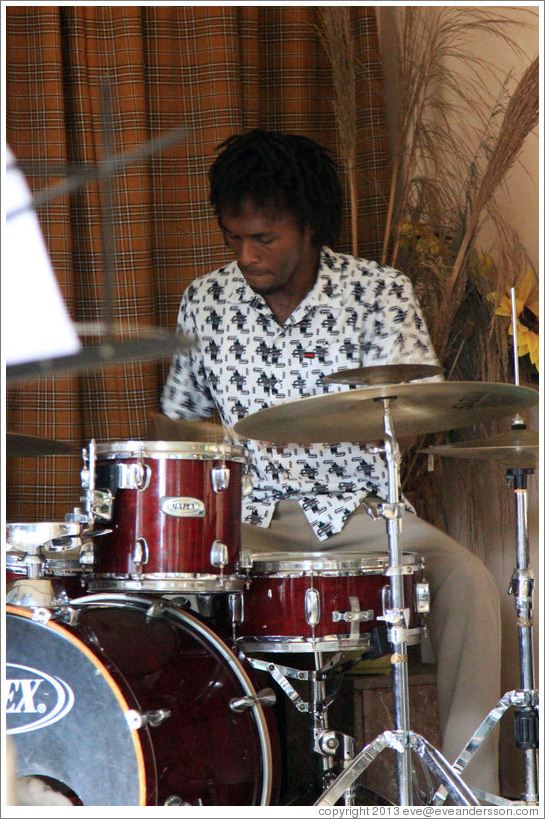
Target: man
x: 269, y: 326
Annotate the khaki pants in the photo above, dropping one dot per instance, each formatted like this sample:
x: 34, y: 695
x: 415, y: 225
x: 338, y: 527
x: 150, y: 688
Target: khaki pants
x: 464, y: 621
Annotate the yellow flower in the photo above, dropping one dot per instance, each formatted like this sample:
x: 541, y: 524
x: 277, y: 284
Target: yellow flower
x: 527, y: 312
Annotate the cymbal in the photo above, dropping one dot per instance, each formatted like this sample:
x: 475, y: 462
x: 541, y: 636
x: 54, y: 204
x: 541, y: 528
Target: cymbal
x: 386, y: 374
x: 155, y: 345
x: 29, y: 445
x: 517, y: 448
x: 358, y: 415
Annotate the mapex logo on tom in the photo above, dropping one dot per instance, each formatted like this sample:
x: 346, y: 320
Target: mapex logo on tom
x: 34, y: 699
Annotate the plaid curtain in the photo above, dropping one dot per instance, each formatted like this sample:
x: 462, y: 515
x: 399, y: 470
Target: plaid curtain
x: 211, y: 71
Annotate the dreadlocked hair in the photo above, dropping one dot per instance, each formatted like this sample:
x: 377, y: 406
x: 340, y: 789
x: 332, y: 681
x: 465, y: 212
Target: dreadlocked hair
x: 282, y: 172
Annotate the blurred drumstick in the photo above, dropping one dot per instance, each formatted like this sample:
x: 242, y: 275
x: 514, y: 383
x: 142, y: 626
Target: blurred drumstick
x: 163, y: 428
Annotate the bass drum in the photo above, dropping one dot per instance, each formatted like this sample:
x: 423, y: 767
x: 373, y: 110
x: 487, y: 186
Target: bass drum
x: 133, y: 705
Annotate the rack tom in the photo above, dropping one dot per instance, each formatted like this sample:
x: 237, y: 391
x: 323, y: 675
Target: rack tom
x: 176, y: 516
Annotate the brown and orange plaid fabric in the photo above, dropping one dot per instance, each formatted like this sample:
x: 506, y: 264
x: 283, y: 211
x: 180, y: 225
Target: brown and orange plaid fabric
x: 211, y: 71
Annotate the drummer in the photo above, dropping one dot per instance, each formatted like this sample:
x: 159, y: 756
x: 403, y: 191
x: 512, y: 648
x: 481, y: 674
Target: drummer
x: 269, y: 325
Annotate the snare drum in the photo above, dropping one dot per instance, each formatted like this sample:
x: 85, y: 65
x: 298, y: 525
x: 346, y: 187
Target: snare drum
x: 176, y: 516
x: 135, y: 702
x: 305, y: 602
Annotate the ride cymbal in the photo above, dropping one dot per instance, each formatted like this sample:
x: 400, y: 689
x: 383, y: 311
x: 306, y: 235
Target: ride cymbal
x: 517, y: 448
x: 387, y: 374
x: 358, y: 414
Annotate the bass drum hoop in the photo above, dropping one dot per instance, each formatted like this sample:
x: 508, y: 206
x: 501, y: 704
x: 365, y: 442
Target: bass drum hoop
x: 121, y: 600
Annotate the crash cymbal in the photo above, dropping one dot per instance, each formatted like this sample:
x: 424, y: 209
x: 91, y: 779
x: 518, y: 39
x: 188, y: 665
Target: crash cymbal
x: 357, y: 414
x: 517, y: 448
x: 387, y: 374
x: 30, y: 445
x: 154, y: 345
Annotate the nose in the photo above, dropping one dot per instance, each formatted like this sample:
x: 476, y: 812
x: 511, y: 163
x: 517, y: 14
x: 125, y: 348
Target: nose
x: 247, y: 253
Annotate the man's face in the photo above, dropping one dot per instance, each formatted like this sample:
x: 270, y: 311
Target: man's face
x: 273, y: 252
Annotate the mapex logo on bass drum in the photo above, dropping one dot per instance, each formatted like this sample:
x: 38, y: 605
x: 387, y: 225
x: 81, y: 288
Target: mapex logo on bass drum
x: 34, y: 699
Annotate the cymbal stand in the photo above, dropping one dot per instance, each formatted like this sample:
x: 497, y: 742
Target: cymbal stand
x: 525, y: 700
x: 402, y: 739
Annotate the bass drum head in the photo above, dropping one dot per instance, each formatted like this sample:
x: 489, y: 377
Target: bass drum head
x: 78, y: 694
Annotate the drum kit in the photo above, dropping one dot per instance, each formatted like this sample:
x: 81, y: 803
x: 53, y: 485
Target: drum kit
x: 140, y: 622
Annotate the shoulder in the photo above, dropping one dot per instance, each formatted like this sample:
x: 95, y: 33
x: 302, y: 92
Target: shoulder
x: 350, y: 269
x: 210, y: 286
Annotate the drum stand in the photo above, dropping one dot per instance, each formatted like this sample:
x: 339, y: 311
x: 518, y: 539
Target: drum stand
x: 525, y: 701
x: 401, y: 739
x: 331, y: 745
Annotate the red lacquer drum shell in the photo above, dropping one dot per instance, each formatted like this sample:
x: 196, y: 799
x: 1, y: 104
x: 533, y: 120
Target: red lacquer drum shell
x: 176, y: 516
x: 302, y: 602
x: 131, y: 704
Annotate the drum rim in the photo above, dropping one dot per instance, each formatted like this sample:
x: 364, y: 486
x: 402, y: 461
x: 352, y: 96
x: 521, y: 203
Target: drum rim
x: 171, y: 449
x: 227, y: 654
x: 301, y: 563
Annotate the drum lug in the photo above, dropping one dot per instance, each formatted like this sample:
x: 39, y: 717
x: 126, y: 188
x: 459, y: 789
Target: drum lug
x: 220, y: 476
x: 422, y: 598
x: 141, y: 553
x: 265, y: 697
x: 133, y: 476
x: 141, y: 719
x: 236, y: 608
x: 247, y: 483
x: 219, y: 555
x: 312, y: 607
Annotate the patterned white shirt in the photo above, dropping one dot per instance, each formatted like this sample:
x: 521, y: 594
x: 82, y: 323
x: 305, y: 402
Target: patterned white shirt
x: 358, y: 314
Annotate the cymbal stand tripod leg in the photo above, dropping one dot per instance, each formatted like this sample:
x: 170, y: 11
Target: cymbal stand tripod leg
x: 525, y: 700
x: 402, y: 739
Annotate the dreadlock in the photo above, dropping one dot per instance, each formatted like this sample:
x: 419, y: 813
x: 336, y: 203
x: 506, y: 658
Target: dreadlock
x: 279, y: 171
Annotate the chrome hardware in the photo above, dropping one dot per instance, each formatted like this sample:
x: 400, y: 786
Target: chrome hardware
x: 41, y: 615
x: 219, y: 555
x: 246, y: 560
x: 264, y: 697
x: 102, y: 502
x: 137, y: 719
x: 220, y: 475
x: 352, y: 616
x: 236, y: 608
x: 422, y: 598
x: 77, y: 516
x: 334, y: 743
x: 133, y: 476
x: 141, y: 552
x: 247, y: 484
x: 312, y: 607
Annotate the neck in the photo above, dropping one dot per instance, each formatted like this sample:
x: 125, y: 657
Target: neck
x: 284, y: 301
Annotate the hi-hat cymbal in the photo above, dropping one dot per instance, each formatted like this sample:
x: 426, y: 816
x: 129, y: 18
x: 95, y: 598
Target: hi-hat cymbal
x: 358, y: 414
x: 517, y: 448
x: 386, y: 374
x: 30, y: 445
